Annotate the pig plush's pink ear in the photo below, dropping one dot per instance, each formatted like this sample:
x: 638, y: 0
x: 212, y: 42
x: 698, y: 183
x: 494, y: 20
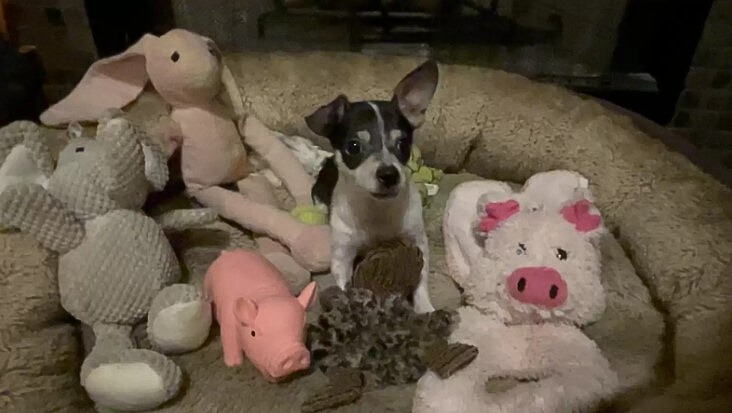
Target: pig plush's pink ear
x: 245, y: 310
x: 112, y: 82
x: 583, y: 215
x: 307, y: 296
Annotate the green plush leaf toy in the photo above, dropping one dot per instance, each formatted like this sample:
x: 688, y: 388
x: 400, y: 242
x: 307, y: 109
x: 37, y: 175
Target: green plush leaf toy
x: 426, y: 178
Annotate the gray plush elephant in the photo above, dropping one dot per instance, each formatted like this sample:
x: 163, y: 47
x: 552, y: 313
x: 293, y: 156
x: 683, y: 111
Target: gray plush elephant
x: 116, y: 267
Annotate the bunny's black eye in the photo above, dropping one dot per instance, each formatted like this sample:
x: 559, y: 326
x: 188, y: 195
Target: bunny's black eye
x: 175, y: 56
x: 521, y: 250
x: 79, y: 149
x: 254, y: 334
x: 561, y: 254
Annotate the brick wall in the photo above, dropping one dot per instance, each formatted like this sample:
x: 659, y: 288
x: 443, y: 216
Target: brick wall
x: 704, y: 110
x: 60, y: 31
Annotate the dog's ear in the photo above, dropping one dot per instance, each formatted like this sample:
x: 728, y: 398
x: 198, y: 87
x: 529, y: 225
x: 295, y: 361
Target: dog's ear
x: 414, y: 93
x: 324, y: 120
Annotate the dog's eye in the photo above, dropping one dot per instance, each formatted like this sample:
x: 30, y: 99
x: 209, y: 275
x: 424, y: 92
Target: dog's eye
x: 561, y: 254
x: 79, y: 149
x: 402, y: 146
x: 175, y: 56
x: 353, y: 147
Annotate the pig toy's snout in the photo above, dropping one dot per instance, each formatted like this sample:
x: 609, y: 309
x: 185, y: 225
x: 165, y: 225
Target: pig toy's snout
x: 291, y: 361
x: 540, y: 286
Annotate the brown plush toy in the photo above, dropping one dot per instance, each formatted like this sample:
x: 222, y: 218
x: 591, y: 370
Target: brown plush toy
x: 377, y: 268
x: 369, y: 336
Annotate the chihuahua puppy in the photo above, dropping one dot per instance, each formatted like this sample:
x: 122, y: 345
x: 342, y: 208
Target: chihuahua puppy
x: 365, y: 182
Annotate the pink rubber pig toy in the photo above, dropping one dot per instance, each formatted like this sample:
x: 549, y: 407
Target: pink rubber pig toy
x: 258, y: 314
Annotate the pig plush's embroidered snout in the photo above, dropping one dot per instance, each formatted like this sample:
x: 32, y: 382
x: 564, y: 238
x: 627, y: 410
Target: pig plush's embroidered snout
x: 258, y: 315
x: 541, y: 252
x: 541, y: 286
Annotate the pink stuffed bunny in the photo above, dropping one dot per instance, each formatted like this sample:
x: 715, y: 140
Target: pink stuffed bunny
x: 186, y: 69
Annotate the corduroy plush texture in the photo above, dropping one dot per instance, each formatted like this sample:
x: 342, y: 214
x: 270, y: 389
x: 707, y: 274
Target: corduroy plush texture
x: 671, y: 223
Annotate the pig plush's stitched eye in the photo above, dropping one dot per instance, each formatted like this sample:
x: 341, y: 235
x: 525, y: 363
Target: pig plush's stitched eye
x: 521, y: 250
x: 561, y: 254
x: 254, y: 333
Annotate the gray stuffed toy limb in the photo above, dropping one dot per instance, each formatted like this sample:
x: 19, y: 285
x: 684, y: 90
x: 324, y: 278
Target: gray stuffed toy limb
x: 116, y: 266
x: 24, y: 156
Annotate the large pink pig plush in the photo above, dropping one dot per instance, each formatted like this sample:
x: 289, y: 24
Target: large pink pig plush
x: 529, y: 265
x: 258, y: 315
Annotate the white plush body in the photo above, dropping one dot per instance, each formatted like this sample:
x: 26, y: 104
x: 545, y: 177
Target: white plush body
x: 533, y: 357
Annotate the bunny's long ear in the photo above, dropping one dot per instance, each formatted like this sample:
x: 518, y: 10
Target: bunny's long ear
x: 232, y: 90
x: 112, y: 82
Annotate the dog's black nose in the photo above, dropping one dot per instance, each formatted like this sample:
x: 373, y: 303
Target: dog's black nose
x: 387, y: 175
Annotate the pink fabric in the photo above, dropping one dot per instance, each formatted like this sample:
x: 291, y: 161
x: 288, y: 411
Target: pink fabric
x: 257, y: 313
x: 112, y: 82
x: 497, y: 212
x: 579, y: 214
x: 212, y: 152
x: 541, y: 286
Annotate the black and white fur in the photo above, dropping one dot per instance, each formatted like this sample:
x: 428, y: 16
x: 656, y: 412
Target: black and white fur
x: 365, y: 183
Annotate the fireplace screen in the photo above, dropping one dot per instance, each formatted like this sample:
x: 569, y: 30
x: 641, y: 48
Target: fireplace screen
x: 635, y: 53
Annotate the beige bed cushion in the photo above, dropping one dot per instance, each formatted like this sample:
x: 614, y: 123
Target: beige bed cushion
x: 39, y: 351
x: 672, y: 220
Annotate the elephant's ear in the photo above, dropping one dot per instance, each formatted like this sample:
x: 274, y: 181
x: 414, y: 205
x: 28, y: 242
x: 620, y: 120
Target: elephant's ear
x: 31, y: 209
x: 126, y: 137
x: 156, y: 165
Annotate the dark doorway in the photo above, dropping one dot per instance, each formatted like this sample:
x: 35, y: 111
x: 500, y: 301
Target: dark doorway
x: 117, y: 24
x: 658, y: 37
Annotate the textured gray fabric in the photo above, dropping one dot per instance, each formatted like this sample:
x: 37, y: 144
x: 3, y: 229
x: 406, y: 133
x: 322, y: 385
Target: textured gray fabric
x: 171, y: 295
x: 130, y: 260
x: 180, y: 220
x: 29, y: 135
x: 111, y: 269
x: 32, y: 209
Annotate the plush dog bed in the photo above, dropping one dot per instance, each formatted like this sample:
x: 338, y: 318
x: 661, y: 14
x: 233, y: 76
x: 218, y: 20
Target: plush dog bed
x: 667, y: 266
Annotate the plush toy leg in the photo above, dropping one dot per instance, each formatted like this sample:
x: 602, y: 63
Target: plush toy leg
x: 560, y: 357
x: 295, y: 275
x: 258, y: 189
x: 179, y: 319
x: 280, y: 159
x: 308, y: 244
x: 580, y: 393
x: 120, y: 377
x: 460, y: 393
